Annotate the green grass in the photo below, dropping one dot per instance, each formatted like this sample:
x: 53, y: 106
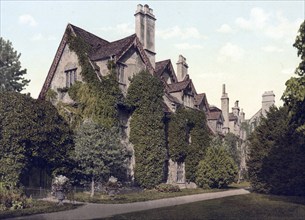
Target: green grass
x: 250, y: 206
x: 38, y: 207
x: 138, y: 197
x: 240, y: 185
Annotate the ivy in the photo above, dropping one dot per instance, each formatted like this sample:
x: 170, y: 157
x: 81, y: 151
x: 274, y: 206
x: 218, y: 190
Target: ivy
x: 188, y: 138
x: 147, y: 134
x: 178, y: 135
x: 96, y: 99
x: 200, y: 140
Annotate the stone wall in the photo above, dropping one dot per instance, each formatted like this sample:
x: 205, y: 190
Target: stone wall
x: 68, y: 61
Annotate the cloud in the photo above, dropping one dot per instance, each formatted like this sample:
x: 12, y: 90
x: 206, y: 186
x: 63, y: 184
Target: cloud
x: 257, y: 20
x: 225, y: 29
x: 272, y: 49
x: 41, y: 37
x: 284, y: 29
x: 230, y: 52
x: 124, y: 28
x: 182, y: 33
x: 27, y: 20
x: 273, y: 25
x: 288, y: 71
x: 187, y: 46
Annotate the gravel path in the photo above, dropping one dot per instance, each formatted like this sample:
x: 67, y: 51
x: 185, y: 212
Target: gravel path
x: 93, y: 211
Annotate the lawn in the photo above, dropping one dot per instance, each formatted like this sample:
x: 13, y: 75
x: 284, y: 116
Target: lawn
x: 38, y: 207
x: 243, y: 207
x: 141, y: 196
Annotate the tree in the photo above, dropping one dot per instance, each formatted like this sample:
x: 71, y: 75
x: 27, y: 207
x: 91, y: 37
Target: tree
x: 217, y: 169
x: 277, y: 155
x: 233, y: 147
x: 32, y: 134
x: 99, y: 153
x: 294, y: 95
x: 11, y: 75
x: 147, y: 134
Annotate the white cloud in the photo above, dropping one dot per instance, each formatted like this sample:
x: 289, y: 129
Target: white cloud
x: 124, y: 28
x: 272, y: 49
x: 187, y: 46
x: 27, y: 20
x: 182, y: 33
x: 257, y: 20
x: 225, y: 28
x: 41, y: 37
x: 230, y: 52
x: 284, y: 29
x: 273, y: 25
x: 288, y: 71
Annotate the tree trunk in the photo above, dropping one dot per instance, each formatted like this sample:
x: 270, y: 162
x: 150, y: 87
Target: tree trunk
x: 92, y: 187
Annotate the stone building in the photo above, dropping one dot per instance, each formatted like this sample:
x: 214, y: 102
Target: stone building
x: 131, y: 55
x: 232, y: 120
x: 268, y: 100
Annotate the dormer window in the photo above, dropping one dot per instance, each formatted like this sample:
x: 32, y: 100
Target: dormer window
x: 71, y: 77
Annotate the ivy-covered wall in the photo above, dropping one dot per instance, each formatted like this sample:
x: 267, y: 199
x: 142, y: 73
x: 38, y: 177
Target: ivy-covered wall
x: 95, y: 99
x: 188, y: 138
x: 147, y: 132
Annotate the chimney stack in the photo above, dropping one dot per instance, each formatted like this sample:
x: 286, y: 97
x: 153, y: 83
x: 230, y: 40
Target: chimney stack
x: 268, y: 100
x: 181, y: 68
x: 145, y: 30
x: 225, y: 110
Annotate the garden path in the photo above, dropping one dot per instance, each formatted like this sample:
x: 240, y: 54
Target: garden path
x: 96, y: 211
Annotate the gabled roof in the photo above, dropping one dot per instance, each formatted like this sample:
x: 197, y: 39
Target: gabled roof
x: 215, y: 113
x: 179, y: 86
x: 89, y: 38
x: 201, y: 97
x: 100, y: 49
x: 164, y: 65
x: 114, y: 48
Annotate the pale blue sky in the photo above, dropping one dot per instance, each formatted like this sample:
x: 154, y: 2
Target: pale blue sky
x: 245, y: 44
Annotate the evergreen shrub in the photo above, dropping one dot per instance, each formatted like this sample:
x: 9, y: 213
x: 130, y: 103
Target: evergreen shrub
x: 216, y: 170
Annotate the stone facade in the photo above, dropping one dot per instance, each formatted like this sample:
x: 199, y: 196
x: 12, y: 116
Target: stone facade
x: 268, y: 100
x: 131, y: 55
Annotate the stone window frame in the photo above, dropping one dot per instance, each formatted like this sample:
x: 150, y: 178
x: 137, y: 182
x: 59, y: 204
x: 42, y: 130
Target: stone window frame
x: 71, y: 77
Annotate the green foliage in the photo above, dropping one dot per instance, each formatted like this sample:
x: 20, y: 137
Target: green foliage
x: 11, y: 75
x: 294, y: 95
x: 277, y: 156
x: 178, y: 135
x: 51, y: 95
x: 31, y: 134
x: 277, y: 153
x: 200, y: 140
x: 99, y: 152
x: 233, y: 147
x: 145, y: 96
x: 167, y: 188
x: 12, y: 199
x: 96, y: 99
x: 188, y: 138
x: 217, y: 169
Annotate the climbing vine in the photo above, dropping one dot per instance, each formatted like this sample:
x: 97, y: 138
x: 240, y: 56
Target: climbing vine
x: 95, y: 99
x: 200, y: 140
x: 188, y: 138
x: 145, y: 97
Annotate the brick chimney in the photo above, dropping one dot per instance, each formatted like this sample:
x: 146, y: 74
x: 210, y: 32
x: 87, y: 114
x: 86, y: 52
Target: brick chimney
x: 145, y: 30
